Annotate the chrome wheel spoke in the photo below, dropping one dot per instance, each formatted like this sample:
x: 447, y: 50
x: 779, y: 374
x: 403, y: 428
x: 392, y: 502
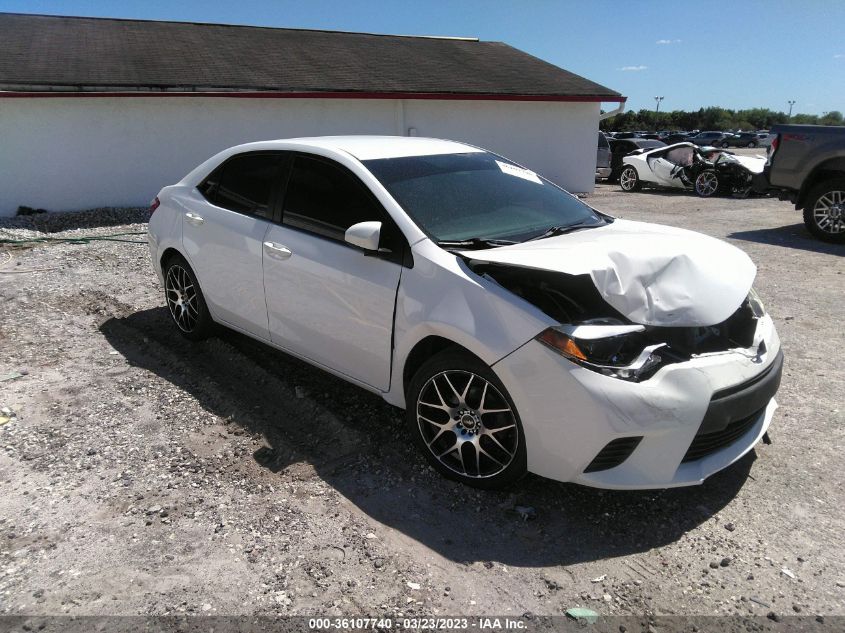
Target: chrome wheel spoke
x: 498, y: 443
x: 451, y: 449
x: 481, y: 451
x: 452, y: 387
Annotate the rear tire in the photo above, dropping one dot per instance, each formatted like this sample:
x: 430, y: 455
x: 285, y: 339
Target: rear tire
x: 824, y: 211
x: 629, y: 179
x: 707, y: 183
x: 462, y: 419
x: 185, y: 301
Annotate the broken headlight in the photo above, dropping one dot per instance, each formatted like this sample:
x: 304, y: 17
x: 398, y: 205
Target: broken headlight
x: 619, y: 351
x: 756, y: 304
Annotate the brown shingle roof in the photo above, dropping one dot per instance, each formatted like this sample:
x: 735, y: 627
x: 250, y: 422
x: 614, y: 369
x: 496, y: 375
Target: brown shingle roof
x: 50, y: 52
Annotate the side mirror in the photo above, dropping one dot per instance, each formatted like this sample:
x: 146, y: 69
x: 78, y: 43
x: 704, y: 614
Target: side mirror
x: 364, y: 235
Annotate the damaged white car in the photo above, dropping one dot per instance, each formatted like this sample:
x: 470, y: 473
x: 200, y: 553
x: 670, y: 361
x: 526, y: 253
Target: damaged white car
x: 521, y: 329
x: 706, y: 170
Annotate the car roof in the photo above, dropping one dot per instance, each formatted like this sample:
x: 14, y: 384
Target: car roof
x: 648, y: 143
x: 366, y: 147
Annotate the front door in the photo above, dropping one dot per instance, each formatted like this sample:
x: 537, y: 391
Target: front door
x: 327, y: 300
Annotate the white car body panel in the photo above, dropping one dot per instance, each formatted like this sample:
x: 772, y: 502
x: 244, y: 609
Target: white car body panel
x: 330, y: 304
x: 652, y: 274
x: 444, y: 298
x: 361, y: 317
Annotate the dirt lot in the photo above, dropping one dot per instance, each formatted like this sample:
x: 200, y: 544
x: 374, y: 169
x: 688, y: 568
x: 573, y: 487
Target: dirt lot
x: 142, y: 474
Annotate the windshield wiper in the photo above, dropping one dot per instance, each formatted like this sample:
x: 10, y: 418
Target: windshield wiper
x: 561, y: 229
x: 474, y: 242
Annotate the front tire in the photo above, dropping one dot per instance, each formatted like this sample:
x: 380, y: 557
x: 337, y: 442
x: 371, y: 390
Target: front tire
x: 629, y: 179
x: 464, y: 422
x: 824, y: 211
x: 185, y: 300
x: 707, y: 183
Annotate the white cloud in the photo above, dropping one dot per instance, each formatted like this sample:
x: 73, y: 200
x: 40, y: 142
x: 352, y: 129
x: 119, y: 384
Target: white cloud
x: 839, y: 56
x: 668, y: 42
x: 627, y: 68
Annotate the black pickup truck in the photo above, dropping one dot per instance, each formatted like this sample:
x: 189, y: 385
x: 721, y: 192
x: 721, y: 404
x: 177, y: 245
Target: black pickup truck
x: 806, y: 166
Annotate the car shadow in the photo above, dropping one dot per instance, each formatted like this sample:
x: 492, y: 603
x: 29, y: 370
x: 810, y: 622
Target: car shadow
x: 357, y: 444
x: 790, y: 236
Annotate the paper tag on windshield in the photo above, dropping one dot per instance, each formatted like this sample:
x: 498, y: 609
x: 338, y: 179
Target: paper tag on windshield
x: 519, y: 172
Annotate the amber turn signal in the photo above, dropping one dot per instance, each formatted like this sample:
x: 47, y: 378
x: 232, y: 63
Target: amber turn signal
x: 561, y: 343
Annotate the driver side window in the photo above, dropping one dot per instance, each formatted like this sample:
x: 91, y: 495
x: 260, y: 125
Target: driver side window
x: 324, y: 198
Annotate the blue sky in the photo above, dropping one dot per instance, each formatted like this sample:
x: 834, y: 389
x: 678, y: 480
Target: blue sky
x: 694, y: 53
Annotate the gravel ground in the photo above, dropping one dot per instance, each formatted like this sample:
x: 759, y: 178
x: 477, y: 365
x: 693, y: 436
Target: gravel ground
x: 143, y: 474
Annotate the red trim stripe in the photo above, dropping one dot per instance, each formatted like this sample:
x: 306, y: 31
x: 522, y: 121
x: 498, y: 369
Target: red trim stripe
x: 446, y: 96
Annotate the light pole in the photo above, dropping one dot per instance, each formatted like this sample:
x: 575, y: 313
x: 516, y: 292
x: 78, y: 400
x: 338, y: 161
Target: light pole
x: 657, y: 100
x: 791, y: 103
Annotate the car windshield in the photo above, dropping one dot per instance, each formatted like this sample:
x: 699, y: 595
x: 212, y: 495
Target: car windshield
x: 455, y: 197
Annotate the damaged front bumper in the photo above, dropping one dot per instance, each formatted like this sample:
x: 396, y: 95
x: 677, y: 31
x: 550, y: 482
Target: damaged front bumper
x: 685, y: 423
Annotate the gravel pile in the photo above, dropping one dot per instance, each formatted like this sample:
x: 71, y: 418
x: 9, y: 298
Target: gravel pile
x: 74, y: 223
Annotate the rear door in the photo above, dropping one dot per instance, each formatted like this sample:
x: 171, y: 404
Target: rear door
x: 329, y: 301
x: 223, y: 233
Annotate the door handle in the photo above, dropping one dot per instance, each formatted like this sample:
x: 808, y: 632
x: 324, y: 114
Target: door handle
x: 277, y: 251
x: 194, y: 219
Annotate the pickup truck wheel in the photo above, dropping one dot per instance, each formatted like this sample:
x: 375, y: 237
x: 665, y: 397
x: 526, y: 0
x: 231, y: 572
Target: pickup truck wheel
x: 707, y: 183
x: 464, y: 422
x: 824, y: 211
x: 752, y: 144
x: 629, y: 180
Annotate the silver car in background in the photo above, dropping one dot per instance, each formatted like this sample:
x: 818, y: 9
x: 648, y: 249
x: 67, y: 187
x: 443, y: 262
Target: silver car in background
x: 603, y: 157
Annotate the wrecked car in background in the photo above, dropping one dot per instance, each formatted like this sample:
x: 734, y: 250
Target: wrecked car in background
x: 705, y: 170
x: 519, y: 328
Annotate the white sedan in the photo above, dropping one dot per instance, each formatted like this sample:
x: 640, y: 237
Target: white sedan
x: 519, y: 328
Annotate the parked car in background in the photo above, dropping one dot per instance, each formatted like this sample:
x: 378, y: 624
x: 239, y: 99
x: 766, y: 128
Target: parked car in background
x: 623, y: 135
x: 520, y: 329
x: 603, y: 157
x: 620, y: 147
x: 806, y: 166
x: 686, y: 166
x: 708, y: 138
x: 764, y: 139
x: 743, y: 139
x: 676, y: 137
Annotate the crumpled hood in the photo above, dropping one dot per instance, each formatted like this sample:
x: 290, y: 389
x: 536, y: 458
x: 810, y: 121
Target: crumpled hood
x: 652, y: 274
x: 754, y: 164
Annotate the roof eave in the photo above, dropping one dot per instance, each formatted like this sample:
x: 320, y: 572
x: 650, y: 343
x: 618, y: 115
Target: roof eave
x: 41, y: 91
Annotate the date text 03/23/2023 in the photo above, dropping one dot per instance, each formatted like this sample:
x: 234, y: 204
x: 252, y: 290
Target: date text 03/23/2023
x: 417, y: 624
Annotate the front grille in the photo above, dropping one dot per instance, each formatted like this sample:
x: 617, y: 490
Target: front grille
x: 706, y: 443
x: 616, y: 452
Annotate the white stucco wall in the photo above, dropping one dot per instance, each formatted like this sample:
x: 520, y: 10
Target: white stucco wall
x: 78, y: 153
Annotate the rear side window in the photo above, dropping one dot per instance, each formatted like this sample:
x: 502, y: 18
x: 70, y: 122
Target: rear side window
x: 244, y: 184
x: 326, y: 199
x: 603, y: 144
